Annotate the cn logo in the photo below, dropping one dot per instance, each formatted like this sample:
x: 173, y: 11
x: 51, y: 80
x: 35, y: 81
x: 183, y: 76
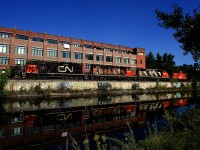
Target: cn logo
x: 64, y: 69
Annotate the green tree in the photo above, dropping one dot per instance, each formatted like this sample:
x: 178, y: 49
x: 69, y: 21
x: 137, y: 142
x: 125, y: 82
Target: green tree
x: 168, y: 62
x: 186, y: 27
x: 159, y: 65
x: 150, y: 61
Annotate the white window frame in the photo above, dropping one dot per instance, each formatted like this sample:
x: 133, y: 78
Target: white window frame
x: 52, y: 53
x: 118, y: 60
x: 21, y: 49
x: 4, y: 48
x: 37, y: 51
x: 125, y: 61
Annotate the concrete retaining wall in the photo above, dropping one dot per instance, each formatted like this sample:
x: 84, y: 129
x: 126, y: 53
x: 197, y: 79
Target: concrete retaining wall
x: 17, y: 85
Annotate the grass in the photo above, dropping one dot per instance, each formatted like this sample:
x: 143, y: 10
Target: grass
x: 182, y: 132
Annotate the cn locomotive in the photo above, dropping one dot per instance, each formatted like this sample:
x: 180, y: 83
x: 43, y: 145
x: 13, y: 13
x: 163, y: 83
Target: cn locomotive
x: 78, y: 71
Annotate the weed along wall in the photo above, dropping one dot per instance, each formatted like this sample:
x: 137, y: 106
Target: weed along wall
x: 70, y: 86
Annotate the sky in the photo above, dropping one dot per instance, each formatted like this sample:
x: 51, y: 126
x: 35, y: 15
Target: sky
x: 131, y: 23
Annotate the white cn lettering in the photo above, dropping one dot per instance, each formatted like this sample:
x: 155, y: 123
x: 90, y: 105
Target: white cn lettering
x: 64, y: 69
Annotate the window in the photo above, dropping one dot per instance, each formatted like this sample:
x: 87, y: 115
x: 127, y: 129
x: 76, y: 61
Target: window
x: 118, y: 60
x: 108, y: 49
x: 2, y: 134
x: 4, y: 48
x: 5, y: 35
x: 124, y: 52
x: 21, y: 37
x: 141, y: 61
x: 20, y: 50
x: 77, y: 123
x: 99, y: 48
x: 126, y: 60
x: 49, y: 127
x: 109, y: 58
x: 78, y: 55
x: 52, y: 53
x: 87, y: 46
x: 64, y: 125
x: 4, y: 60
x: 109, y: 118
x: 20, y: 61
x: 65, y: 54
x: 115, y: 50
x: 17, y: 131
x: 89, y: 56
x: 51, y: 41
x: 77, y: 45
x: 38, y: 39
x: 88, y: 121
x: 37, y: 51
x: 133, y: 61
x: 17, y: 119
x: 99, y: 57
x: 141, y: 53
x: 34, y: 129
x: 99, y: 120
x: 65, y: 42
x: 87, y: 66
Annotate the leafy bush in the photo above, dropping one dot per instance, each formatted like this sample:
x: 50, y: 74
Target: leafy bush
x: 3, y: 81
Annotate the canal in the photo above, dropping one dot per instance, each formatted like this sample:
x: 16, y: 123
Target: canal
x: 46, y: 123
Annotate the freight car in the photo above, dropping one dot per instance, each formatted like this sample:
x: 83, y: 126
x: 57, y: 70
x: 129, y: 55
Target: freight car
x: 67, y: 70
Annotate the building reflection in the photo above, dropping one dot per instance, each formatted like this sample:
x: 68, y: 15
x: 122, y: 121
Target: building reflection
x: 27, y: 125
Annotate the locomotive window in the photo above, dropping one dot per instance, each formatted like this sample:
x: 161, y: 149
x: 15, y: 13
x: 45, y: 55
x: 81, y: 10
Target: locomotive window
x: 89, y: 56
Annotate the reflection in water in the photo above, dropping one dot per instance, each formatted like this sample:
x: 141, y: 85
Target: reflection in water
x: 38, y: 123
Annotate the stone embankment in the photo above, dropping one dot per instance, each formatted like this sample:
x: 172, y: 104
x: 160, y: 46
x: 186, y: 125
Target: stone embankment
x: 68, y: 87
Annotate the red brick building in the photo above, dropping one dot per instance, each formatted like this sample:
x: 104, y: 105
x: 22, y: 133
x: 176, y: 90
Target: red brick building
x: 18, y: 46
